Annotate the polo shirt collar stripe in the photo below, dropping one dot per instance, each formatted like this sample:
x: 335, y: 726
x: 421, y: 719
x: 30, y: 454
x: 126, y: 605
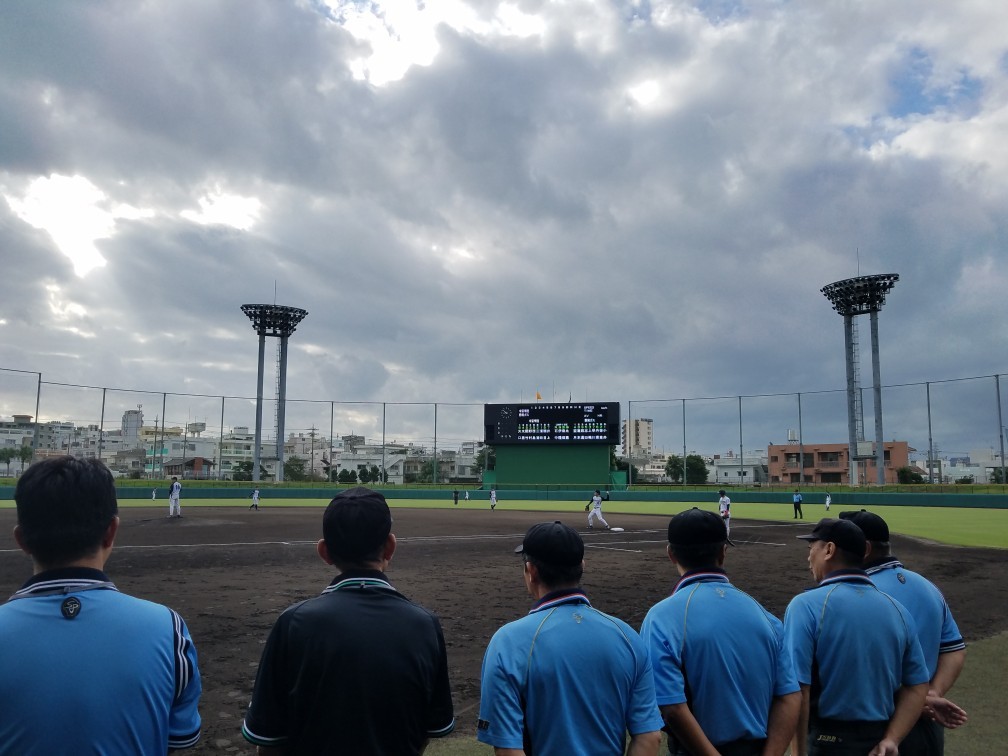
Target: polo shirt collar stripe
x: 701, y: 576
x: 64, y: 580
x: 573, y: 596
x: 359, y: 579
x: 846, y: 576
x: 890, y: 564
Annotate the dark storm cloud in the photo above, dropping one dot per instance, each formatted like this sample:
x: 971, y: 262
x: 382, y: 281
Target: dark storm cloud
x: 516, y: 215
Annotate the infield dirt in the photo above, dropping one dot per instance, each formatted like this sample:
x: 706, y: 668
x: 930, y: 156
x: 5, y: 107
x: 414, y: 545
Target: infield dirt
x: 229, y: 572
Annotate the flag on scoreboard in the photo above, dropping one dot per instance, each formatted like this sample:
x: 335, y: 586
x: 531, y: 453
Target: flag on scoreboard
x: 538, y: 397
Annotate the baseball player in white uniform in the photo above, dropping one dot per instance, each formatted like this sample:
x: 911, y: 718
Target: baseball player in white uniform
x: 174, y: 508
x: 255, y: 500
x: 829, y: 500
x: 596, y: 511
x: 724, y: 509
x: 493, y: 498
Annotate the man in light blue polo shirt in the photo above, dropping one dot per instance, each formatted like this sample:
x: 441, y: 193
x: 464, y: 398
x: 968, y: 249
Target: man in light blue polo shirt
x: 942, y: 643
x: 855, y: 650
x: 85, y: 668
x: 722, y: 678
x: 566, y: 678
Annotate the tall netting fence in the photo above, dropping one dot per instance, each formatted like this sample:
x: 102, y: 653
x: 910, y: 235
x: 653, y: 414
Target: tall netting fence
x: 153, y: 433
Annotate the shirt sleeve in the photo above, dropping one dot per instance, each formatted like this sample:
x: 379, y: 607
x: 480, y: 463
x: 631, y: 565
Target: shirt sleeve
x: 799, y: 638
x: 915, y: 669
x: 642, y: 712
x: 501, y: 719
x: 785, y: 680
x: 664, y: 648
x: 441, y: 717
x: 264, y: 721
x: 951, y: 638
x: 184, y: 722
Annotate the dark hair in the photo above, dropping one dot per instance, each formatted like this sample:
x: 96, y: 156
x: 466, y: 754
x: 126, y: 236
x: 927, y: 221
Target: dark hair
x: 355, y: 527
x: 697, y: 556
x: 64, y: 507
x: 554, y: 576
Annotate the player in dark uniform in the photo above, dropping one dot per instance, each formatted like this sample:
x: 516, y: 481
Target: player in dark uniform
x: 696, y: 638
x: 855, y: 650
x: 942, y: 643
x: 359, y: 669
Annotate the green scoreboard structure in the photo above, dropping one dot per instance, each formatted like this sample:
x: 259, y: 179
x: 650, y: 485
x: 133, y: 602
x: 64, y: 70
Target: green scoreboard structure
x: 559, y: 444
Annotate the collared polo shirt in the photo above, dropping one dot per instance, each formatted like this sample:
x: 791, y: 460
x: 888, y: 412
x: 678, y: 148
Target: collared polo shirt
x: 569, y: 678
x: 936, y: 628
x: 853, y: 645
x: 359, y: 669
x: 87, y: 669
x: 717, y: 649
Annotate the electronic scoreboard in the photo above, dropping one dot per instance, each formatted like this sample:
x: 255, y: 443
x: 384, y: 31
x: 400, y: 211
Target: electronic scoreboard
x: 550, y: 423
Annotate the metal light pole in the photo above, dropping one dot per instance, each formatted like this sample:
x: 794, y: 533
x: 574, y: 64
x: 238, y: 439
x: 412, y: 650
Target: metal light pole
x: 852, y: 297
x: 279, y: 321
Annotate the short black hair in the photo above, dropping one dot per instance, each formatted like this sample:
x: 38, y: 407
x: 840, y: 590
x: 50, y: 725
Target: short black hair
x: 64, y: 507
x: 697, y: 556
x: 557, y: 576
x: 355, y: 526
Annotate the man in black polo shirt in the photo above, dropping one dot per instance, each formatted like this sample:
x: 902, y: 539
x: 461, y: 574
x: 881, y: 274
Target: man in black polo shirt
x: 359, y: 669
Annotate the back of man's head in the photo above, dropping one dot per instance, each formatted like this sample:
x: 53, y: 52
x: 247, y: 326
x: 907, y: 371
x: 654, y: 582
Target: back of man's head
x: 557, y: 551
x: 64, y: 507
x: 355, y: 526
x: 696, y: 537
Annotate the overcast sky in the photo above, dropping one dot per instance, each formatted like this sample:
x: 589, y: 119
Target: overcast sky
x: 475, y: 201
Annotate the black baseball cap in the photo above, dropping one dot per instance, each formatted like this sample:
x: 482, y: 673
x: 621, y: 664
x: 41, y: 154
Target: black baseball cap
x: 873, y: 526
x: 844, y: 533
x: 356, y: 523
x: 696, y: 527
x: 553, y: 543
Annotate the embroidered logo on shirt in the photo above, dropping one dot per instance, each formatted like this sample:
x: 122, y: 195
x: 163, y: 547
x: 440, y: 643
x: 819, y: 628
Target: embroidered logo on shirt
x: 577, y: 617
x: 901, y: 577
x: 70, y: 608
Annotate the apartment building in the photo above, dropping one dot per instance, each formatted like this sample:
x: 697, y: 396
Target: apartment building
x: 830, y: 463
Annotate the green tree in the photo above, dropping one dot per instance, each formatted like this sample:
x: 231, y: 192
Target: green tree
x: 377, y: 476
x: 364, y: 475
x: 243, y: 471
x: 486, y: 459
x: 25, y: 453
x: 996, y: 475
x: 347, y: 476
x: 674, y: 468
x: 294, y: 469
x: 696, y: 470
x: 426, y: 472
x: 7, y: 454
x: 908, y: 475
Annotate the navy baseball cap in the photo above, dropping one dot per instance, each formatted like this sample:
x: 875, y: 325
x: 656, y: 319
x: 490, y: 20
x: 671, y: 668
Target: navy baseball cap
x: 696, y: 527
x: 873, y: 526
x: 356, y: 523
x: 553, y: 543
x: 844, y: 533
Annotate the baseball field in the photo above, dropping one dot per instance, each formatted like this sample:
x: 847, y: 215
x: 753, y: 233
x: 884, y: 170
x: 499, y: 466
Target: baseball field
x: 230, y: 572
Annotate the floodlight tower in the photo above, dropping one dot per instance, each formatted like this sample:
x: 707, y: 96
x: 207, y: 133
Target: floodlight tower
x: 279, y: 321
x: 851, y: 297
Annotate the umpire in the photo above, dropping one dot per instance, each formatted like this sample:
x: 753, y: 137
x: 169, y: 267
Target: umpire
x: 940, y: 639
x: 862, y: 673
x: 359, y: 669
x: 724, y: 684
x: 565, y: 678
